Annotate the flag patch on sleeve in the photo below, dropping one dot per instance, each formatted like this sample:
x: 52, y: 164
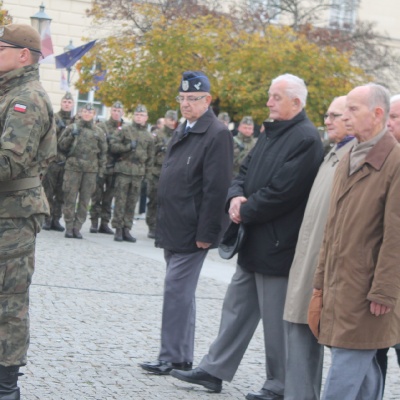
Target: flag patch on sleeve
x: 20, y: 108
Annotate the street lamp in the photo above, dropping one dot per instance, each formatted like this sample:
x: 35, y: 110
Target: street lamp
x: 40, y: 21
x: 69, y: 47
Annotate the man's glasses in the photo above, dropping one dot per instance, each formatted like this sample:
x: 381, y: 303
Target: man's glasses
x: 190, y: 99
x: 11, y: 47
x: 332, y: 116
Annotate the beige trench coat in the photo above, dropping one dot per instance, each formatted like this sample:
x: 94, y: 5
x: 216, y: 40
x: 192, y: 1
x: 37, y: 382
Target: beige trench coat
x: 360, y: 256
x: 310, y: 239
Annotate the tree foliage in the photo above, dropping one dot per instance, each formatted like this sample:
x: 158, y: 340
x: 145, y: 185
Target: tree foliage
x: 5, y: 17
x: 145, y: 65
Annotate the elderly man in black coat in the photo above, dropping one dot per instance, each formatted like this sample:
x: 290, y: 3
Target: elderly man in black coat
x: 192, y: 191
x: 268, y: 196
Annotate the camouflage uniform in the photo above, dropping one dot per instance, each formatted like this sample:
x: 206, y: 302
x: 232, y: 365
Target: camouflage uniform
x: 104, y: 193
x: 53, y: 178
x: 134, y: 145
x: 86, y: 149
x: 161, y: 138
x: 241, y: 147
x: 28, y: 142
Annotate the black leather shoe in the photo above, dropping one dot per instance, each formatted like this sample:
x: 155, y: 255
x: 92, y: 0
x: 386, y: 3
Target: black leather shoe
x: 165, y: 367
x: 264, y: 394
x: 199, y: 377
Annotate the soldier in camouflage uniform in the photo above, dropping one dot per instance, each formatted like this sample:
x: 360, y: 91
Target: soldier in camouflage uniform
x: 161, y: 138
x: 53, y: 179
x: 86, y: 148
x: 243, y: 142
x: 103, y: 195
x: 27, y: 144
x: 134, y: 145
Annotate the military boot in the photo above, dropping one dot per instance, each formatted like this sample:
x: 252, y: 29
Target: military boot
x: 69, y: 234
x: 127, y: 236
x: 151, y: 234
x: 47, y: 224
x: 56, y: 226
x: 118, y: 235
x: 9, y: 389
x: 95, y: 225
x: 104, y: 228
x: 76, y: 233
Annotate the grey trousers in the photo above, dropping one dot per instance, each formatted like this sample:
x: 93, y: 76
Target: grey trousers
x: 250, y: 296
x: 353, y: 375
x: 304, y: 362
x: 179, y: 305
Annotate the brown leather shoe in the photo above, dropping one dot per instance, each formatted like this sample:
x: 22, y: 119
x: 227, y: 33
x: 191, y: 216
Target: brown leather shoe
x: 126, y: 235
x: 165, y: 367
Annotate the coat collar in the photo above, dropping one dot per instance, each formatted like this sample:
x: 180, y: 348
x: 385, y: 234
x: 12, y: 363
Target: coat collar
x: 200, y: 126
x: 378, y: 154
x: 277, y: 128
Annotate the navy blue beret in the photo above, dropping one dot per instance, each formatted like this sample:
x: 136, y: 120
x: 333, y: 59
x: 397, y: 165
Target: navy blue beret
x: 194, y: 81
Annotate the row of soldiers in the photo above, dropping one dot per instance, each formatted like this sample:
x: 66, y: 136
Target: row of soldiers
x: 97, y: 163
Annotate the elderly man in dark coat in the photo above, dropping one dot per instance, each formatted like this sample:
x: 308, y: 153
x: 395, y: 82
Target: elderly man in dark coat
x: 268, y: 196
x: 192, y: 191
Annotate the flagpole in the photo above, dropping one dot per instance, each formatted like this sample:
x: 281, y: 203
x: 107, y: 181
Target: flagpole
x: 69, y: 47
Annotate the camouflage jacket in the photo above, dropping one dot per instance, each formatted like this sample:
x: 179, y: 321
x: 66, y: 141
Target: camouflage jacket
x: 63, y: 119
x: 241, y: 147
x: 110, y: 128
x: 28, y: 140
x: 161, y: 139
x: 86, y: 151
x: 133, y: 161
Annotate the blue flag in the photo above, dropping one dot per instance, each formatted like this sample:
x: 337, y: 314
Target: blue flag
x: 68, y: 59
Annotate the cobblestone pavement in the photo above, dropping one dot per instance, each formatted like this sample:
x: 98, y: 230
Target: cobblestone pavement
x: 96, y: 311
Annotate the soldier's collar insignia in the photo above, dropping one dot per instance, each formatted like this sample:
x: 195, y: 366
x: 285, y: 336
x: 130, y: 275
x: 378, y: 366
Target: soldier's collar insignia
x: 185, y: 85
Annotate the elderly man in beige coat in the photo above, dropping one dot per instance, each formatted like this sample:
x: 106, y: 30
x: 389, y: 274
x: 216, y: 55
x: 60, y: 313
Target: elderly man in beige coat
x: 358, y: 269
x: 304, y: 355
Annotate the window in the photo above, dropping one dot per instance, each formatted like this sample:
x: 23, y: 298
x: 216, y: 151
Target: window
x: 343, y: 14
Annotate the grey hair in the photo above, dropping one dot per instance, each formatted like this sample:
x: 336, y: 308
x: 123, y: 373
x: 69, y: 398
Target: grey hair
x: 395, y: 98
x: 296, y: 88
x: 379, y: 97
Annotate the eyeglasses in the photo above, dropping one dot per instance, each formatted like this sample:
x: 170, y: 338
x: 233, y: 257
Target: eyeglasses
x: 181, y: 99
x: 332, y: 116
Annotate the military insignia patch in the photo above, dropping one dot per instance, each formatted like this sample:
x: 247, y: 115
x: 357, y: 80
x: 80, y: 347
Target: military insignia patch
x: 197, y: 85
x: 20, y: 108
x: 185, y: 85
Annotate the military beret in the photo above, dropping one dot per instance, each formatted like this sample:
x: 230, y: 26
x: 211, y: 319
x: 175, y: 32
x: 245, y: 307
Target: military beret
x: 67, y: 96
x: 172, y: 114
x: 194, y: 81
x: 247, y: 120
x: 88, y: 106
x: 141, y: 109
x: 224, y: 116
x: 21, y: 35
x: 117, y: 104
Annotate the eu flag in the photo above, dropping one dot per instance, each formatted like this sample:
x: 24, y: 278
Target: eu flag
x: 69, y: 58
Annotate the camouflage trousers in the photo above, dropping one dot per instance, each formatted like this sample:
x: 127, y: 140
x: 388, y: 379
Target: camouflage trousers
x: 76, y: 184
x: 52, y: 184
x: 151, y: 214
x: 102, y: 199
x: 17, y: 264
x: 127, y: 190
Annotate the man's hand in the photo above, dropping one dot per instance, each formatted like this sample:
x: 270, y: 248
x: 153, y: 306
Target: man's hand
x: 203, y: 245
x: 234, y: 208
x: 378, y: 309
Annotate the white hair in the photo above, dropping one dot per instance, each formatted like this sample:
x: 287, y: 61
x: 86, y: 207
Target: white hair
x: 296, y: 88
x: 395, y: 98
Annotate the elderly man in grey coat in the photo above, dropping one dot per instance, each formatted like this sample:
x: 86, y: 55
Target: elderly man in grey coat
x: 304, y: 354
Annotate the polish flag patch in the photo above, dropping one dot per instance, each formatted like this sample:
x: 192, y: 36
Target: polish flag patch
x: 20, y: 108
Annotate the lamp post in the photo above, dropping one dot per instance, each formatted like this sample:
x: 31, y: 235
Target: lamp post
x: 40, y: 21
x: 69, y: 47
